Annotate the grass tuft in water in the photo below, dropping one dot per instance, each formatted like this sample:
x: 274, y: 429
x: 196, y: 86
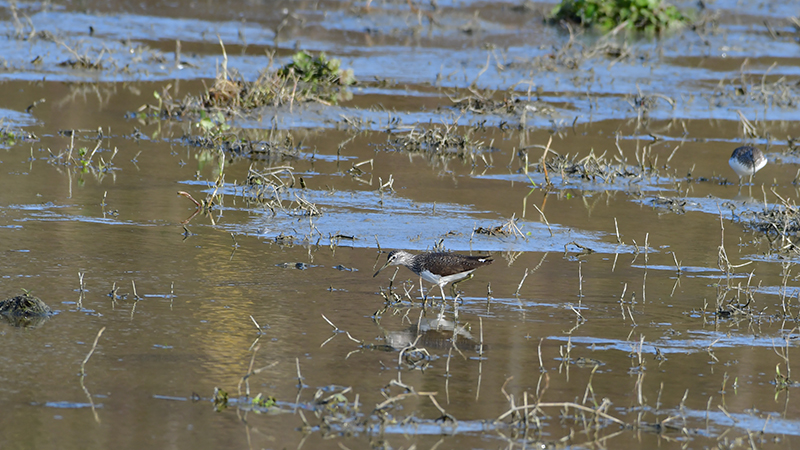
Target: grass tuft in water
x: 24, y: 311
x: 307, y: 78
x: 779, y: 222
x: 440, y: 141
x: 24, y: 305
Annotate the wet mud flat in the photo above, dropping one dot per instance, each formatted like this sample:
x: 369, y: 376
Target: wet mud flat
x: 201, y: 196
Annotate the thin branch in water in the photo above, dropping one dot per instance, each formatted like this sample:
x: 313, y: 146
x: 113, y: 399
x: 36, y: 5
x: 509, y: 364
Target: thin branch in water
x: 335, y: 328
x: 677, y: 264
x: 545, y: 219
x: 256, y: 324
x: 516, y: 294
x: 299, y: 377
x: 89, y: 355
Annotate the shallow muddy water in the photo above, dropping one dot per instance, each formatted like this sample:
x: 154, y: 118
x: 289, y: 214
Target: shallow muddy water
x: 643, y: 300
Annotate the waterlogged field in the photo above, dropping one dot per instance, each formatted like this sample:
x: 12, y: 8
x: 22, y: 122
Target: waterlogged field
x: 202, y: 200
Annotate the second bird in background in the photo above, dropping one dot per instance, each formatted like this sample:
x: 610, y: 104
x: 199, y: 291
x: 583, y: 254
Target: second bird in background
x: 746, y: 161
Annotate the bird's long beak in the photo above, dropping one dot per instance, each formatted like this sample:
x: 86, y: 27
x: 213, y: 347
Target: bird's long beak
x: 379, y: 270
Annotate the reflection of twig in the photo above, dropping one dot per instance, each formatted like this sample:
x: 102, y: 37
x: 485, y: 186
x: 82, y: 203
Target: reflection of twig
x: 83, y: 374
x: 537, y: 406
x: 91, y: 402
x: 528, y: 272
x: 250, y: 372
x: 784, y: 355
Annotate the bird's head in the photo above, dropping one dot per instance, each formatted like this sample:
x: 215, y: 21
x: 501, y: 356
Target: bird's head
x: 396, y: 257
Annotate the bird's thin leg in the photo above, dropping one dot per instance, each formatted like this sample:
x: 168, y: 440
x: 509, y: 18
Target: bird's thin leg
x: 455, y: 283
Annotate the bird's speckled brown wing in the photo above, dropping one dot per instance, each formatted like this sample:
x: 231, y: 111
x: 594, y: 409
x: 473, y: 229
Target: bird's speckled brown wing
x: 444, y: 264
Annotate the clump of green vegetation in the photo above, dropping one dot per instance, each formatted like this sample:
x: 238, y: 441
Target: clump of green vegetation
x: 264, y: 402
x: 220, y: 399
x: 317, y: 71
x: 642, y: 15
x: 213, y: 126
x: 259, y: 404
x: 10, y: 137
x: 7, y: 138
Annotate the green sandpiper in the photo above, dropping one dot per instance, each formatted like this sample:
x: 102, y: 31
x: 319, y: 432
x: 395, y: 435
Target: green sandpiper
x: 438, y: 268
x: 746, y: 161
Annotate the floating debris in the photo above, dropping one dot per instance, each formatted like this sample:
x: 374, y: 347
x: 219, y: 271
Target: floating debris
x: 297, y: 265
x: 779, y: 222
x: 592, y: 167
x: 440, y: 141
x: 511, y: 104
x: 506, y: 229
x: 498, y: 230
x: 267, y: 187
x: 238, y: 146
x: 673, y: 204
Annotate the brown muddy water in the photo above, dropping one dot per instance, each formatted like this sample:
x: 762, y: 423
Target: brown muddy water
x: 648, y: 300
